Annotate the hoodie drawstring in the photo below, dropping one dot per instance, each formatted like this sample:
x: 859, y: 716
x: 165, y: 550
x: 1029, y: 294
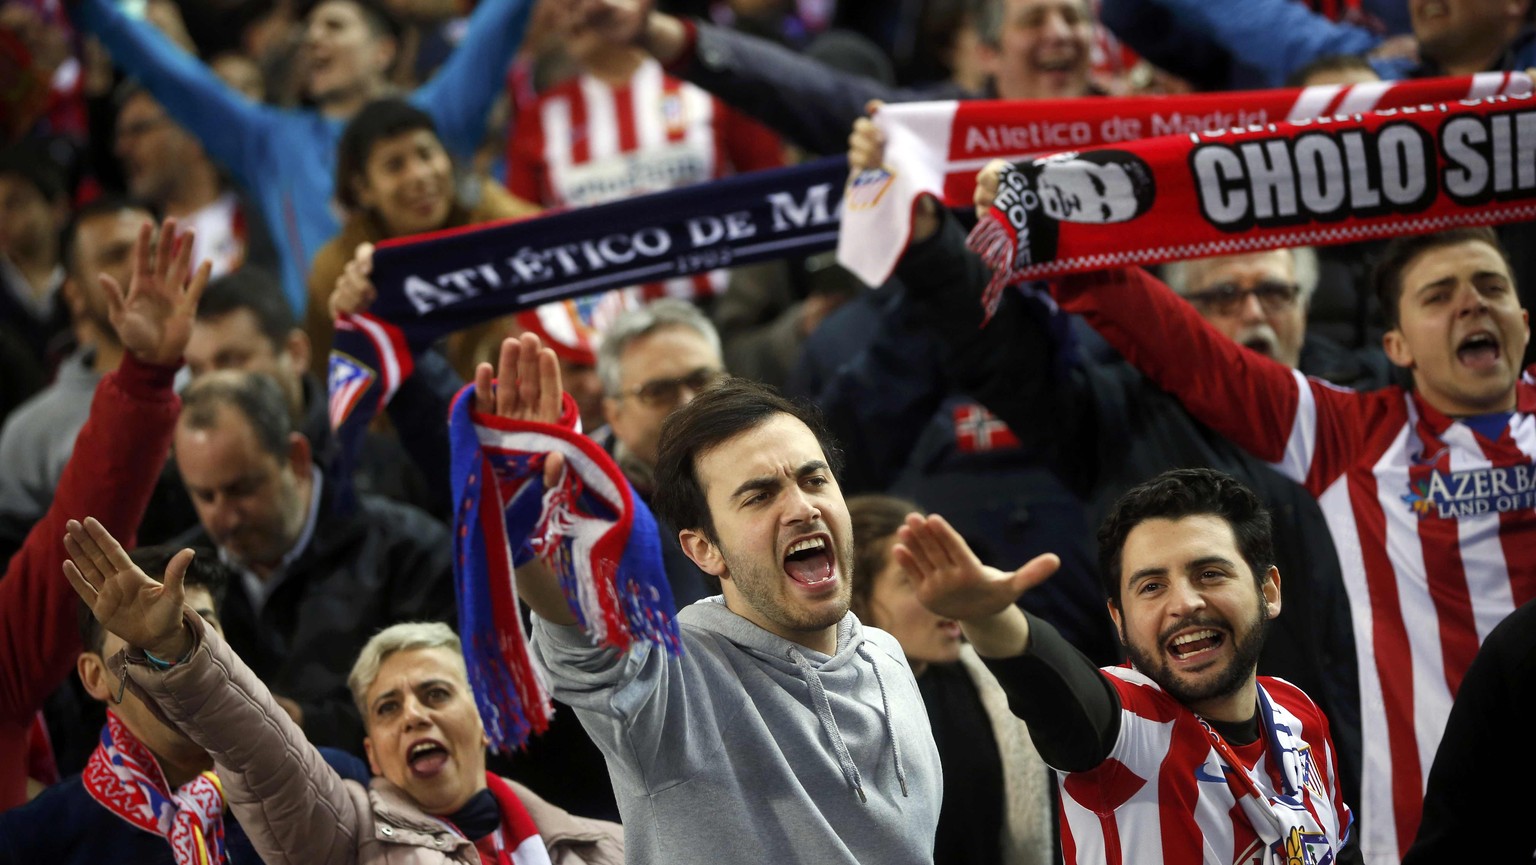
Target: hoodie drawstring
x: 829, y: 723
x: 885, y: 712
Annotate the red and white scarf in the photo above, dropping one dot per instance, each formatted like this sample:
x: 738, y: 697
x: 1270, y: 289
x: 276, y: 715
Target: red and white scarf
x: 126, y: 779
x: 516, y: 841
x: 936, y: 148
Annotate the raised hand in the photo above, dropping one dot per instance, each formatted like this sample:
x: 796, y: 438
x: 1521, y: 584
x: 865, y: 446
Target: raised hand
x: 153, y: 318
x: 866, y: 150
x: 128, y: 602
x: 951, y: 581
x: 354, y: 290
x: 986, y: 186
x: 526, y: 384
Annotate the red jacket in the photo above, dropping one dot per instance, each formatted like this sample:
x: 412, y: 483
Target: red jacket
x: 117, y: 458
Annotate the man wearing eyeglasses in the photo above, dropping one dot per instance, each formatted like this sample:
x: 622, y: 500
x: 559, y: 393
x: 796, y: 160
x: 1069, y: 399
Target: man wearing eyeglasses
x: 652, y: 361
x: 1259, y: 300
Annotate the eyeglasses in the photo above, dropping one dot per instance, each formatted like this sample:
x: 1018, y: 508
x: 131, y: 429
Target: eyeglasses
x: 661, y: 392
x: 1227, y: 299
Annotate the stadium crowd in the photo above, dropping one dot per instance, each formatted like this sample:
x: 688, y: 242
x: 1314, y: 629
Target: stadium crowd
x: 1227, y: 559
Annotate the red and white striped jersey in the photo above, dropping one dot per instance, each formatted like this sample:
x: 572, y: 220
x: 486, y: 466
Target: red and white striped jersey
x: 587, y: 142
x: 1434, y: 524
x: 1166, y: 794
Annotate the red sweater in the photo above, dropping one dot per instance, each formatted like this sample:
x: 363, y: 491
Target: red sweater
x: 116, y: 460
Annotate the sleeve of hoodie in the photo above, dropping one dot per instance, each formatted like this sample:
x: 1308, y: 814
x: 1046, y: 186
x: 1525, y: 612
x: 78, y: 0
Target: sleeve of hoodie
x: 1072, y: 711
x: 633, y: 703
x: 804, y: 100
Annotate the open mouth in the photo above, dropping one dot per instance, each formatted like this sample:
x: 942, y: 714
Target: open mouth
x: 1260, y: 344
x: 1068, y: 63
x: 1195, y: 643
x: 809, y: 562
x: 1479, y: 350
x: 427, y: 758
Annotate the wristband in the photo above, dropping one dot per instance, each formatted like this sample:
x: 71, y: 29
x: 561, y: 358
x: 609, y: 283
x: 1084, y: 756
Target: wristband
x: 163, y: 665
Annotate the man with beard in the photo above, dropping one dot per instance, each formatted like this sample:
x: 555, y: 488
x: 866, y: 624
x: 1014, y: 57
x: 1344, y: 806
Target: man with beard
x: 784, y: 727
x: 1186, y: 750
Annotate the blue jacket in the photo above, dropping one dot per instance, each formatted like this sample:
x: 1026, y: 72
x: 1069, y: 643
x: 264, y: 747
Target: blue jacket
x: 64, y: 825
x: 286, y: 158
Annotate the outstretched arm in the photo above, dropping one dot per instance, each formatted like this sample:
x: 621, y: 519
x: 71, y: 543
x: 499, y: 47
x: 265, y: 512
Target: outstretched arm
x: 802, y: 99
x: 116, y: 460
x: 229, y: 125
x: 211, y: 696
x: 459, y: 96
x: 1072, y: 711
x: 526, y: 386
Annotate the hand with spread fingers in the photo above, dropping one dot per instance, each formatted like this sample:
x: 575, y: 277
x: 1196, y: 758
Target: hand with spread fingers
x: 128, y: 602
x: 153, y: 318
x: 951, y: 581
x: 527, y: 387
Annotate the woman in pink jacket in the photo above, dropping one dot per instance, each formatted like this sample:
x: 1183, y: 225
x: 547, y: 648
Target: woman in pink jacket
x: 431, y: 799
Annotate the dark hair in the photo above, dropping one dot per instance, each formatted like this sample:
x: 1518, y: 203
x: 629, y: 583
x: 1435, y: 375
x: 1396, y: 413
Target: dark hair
x: 874, y: 518
x: 716, y: 415
x: 378, y: 120
x: 1329, y: 63
x: 1400, y: 252
x: 104, y: 205
x: 257, y: 398
x: 205, y: 572
x: 1174, y: 495
x: 375, y: 14
x: 31, y: 161
x: 254, y: 289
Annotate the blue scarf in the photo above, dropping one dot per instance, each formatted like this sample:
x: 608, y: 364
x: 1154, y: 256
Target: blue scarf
x: 590, y: 528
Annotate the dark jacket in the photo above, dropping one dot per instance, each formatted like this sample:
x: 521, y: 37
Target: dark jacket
x: 881, y: 379
x: 806, y: 101
x: 383, y: 564
x: 1114, y: 429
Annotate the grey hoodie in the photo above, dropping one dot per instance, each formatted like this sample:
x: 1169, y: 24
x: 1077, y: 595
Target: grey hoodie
x: 751, y: 748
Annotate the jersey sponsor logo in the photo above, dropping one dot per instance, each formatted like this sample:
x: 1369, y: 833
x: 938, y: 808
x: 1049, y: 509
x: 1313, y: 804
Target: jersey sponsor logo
x: 1493, y: 489
x: 653, y: 170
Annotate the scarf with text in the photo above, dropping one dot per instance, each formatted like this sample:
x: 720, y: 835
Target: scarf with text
x: 432, y: 285
x: 937, y: 148
x: 590, y: 528
x: 126, y: 779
